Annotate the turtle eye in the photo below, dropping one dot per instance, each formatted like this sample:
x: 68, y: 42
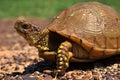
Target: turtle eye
x: 25, y: 26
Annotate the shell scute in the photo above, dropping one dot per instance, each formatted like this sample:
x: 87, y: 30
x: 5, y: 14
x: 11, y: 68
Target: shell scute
x: 93, y: 23
x: 118, y: 42
x: 99, y: 51
x: 100, y: 41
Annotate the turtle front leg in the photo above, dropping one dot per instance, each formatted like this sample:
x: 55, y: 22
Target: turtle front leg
x: 63, y: 56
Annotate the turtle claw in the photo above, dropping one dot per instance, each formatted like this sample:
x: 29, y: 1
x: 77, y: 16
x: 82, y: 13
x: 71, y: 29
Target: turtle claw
x: 57, y: 73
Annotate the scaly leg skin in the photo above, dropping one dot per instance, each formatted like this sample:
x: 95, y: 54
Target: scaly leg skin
x: 48, y: 55
x: 63, y: 56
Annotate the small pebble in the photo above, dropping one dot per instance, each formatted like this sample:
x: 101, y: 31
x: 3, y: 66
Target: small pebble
x: 47, y: 71
x: 48, y: 77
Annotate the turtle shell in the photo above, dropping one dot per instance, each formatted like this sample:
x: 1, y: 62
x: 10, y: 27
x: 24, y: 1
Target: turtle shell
x: 94, y: 26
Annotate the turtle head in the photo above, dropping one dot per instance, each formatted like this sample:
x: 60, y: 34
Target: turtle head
x: 34, y: 35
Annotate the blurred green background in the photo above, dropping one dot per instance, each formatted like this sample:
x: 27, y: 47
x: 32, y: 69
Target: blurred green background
x: 42, y: 9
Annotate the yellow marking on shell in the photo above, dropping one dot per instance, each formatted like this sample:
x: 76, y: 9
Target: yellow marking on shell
x: 67, y: 65
x: 60, y: 63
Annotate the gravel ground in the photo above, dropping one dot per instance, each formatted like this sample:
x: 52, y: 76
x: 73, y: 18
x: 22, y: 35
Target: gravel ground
x: 19, y: 61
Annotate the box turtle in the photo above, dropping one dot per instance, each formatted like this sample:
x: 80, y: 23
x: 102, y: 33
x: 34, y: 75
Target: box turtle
x: 82, y: 33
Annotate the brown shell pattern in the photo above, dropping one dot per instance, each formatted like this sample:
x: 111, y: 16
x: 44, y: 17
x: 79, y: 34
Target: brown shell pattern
x: 92, y: 22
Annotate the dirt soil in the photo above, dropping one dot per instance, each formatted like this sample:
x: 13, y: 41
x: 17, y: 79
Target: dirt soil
x: 19, y: 61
